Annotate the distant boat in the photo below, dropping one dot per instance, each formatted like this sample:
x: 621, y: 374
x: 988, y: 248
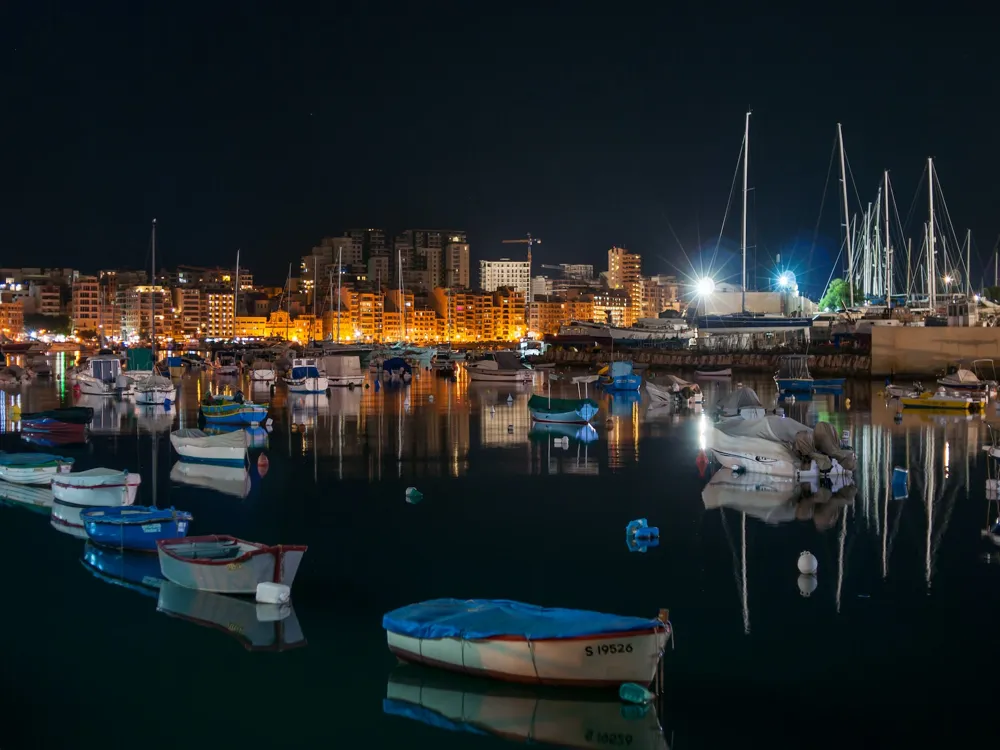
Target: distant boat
x: 226, y: 565
x: 955, y: 401
x: 344, y: 370
x: 793, y: 376
x: 226, y: 449
x: 155, y: 390
x: 33, y: 468
x: 499, y: 367
x: 234, y: 412
x: 619, y: 376
x: 262, y: 371
x: 258, y: 627
x: 714, y: 372
x: 562, y: 410
x: 134, y: 528
x: 306, y: 378
x: 102, y: 376
x: 518, y: 642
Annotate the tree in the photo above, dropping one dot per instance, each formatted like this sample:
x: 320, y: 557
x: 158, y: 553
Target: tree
x: 51, y: 323
x: 87, y: 333
x: 992, y: 293
x: 838, y: 296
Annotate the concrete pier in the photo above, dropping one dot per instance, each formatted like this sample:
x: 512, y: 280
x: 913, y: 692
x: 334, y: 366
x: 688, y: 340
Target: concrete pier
x: 846, y: 365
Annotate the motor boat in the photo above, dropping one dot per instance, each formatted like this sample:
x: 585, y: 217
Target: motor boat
x: 305, y: 377
x: 499, y: 367
x: 102, y: 376
x: 155, y: 390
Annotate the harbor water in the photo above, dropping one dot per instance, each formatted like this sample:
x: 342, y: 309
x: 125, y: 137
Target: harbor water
x: 891, y: 639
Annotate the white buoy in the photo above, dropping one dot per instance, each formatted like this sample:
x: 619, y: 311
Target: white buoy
x: 808, y: 564
x: 493, y: 410
x: 430, y: 399
x: 807, y: 584
x: 273, y: 593
x: 510, y: 399
x: 510, y: 429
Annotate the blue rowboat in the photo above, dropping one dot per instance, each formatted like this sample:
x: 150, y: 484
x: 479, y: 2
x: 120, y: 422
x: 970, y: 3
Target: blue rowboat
x: 562, y: 410
x: 620, y: 376
x: 246, y: 413
x: 128, y: 569
x: 134, y: 527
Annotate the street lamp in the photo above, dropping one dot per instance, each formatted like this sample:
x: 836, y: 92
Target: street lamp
x: 704, y: 286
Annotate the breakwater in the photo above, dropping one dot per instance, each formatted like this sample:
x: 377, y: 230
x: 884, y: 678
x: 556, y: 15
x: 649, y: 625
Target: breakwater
x: 822, y: 364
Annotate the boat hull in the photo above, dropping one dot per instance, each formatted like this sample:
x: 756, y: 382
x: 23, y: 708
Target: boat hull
x: 603, y: 660
x: 308, y: 385
x: 263, y: 376
x: 622, y: 383
x: 239, y: 414
x: 346, y: 381
x: 155, y: 398
x: 133, y: 534
x: 495, y: 376
x: 568, y: 417
x: 114, y: 491
x: 944, y: 404
x: 257, y: 563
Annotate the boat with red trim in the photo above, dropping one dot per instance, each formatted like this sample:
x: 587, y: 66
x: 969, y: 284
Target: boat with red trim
x: 227, y: 565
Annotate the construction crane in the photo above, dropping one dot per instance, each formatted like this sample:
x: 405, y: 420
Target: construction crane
x: 529, y: 241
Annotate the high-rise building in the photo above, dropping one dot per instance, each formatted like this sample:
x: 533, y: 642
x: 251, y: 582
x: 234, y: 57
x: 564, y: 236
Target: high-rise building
x: 86, y: 305
x: 221, y: 319
x: 138, y: 305
x: 189, y: 310
x: 625, y: 272
x: 456, y: 262
x: 494, y: 274
x: 11, y: 315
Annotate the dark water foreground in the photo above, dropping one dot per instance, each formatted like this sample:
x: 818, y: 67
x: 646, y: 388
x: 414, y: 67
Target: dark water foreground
x: 894, y: 644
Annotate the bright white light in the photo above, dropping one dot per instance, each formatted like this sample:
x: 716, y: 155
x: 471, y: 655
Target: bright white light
x: 784, y: 281
x: 947, y: 279
x: 976, y: 297
x: 704, y: 287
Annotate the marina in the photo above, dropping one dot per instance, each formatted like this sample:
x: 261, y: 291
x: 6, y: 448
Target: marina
x: 893, y: 557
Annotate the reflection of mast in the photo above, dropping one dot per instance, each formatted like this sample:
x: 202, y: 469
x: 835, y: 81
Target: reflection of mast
x: 929, y: 499
x: 743, y: 561
x: 840, y: 557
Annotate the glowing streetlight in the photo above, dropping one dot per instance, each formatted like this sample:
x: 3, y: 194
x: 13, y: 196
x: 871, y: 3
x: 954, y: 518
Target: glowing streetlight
x: 786, y: 280
x: 947, y: 279
x: 704, y: 287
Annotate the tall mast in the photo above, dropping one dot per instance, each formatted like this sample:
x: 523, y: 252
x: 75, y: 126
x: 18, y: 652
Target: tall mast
x: 340, y: 250
x: 888, y: 248
x: 743, y: 230
x: 288, y: 301
x: 931, y: 278
x: 847, y: 221
x: 968, y: 263
x: 402, y: 302
x: 315, y: 291
x: 152, y: 302
x: 909, y: 280
x: 236, y: 291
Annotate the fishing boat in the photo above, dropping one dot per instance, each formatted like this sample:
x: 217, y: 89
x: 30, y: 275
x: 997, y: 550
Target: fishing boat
x: 713, y: 372
x: 227, y: 565
x: 529, y: 714
x: 175, y: 365
x: 343, y: 371
x: 228, y: 480
x: 131, y: 570
x: 102, y: 376
x: 562, y: 410
x: 779, y: 446
x: 96, y: 487
x: 499, y: 367
x: 33, y: 468
x: 793, y: 376
x: 226, y: 449
x: 257, y: 626
x: 518, y: 642
x: 619, y: 376
x: 262, y: 371
x: 155, y: 390
x: 136, y: 528
x: 305, y: 377
x: 234, y: 412
x: 942, y: 399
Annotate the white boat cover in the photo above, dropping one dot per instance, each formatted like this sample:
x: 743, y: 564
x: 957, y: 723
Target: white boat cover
x: 773, y: 428
x: 235, y: 439
x: 962, y: 377
x: 98, y: 478
x: 791, y: 440
x: 155, y: 383
x: 659, y: 393
x: 744, y: 397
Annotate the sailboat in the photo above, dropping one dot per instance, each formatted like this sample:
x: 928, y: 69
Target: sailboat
x: 745, y: 321
x: 154, y: 389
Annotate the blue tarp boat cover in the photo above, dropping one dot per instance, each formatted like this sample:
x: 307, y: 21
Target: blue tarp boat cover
x: 27, y: 459
x: 304, y: 372
x: 396, y: 363
x: 478, y: 619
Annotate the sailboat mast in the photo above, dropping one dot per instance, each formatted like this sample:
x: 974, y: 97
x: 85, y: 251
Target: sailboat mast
x: 909, y: 279
x: 236, y: 291
x: 847, y: 221
x: 968, y: 263
x: 743, y: 228
x: 288, y: 301
x: 931, y: 280
x: 340, y: 251
x: 152, y: 301
x: 402, y: 302
x: 888, y: 248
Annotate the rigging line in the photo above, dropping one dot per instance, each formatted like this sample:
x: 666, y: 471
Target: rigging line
x: 854, y: 184
x: 729, y: 204
x: 918, y: 194
x: 822, y: 202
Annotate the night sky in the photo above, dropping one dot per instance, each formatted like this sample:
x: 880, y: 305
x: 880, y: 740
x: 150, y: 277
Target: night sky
x: 264, y: 126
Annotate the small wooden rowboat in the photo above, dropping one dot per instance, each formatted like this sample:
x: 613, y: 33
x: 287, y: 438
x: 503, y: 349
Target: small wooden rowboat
x: 33, y: 468
x: 227, y: 449
x: 134, y: 528
x: 227, y: 565
x: 96, y: 487
x: 518, y: 642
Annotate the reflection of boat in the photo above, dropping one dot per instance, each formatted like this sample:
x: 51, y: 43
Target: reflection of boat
x: 129, y: 569
x: 192, y: 563
x: 259, y: 627
x: 779, y: 446
x: 108, y: 414
x: 226, y: 449
x: 776, y: 499
x: 35, y: 498
x: 584, y: 433
x: 134, y: 528
x: 562, y: 410
x: 622, y: 403
x: 524, y: 643
x: 229, y: 480
x: 32, y: 468
x: 529, y: 714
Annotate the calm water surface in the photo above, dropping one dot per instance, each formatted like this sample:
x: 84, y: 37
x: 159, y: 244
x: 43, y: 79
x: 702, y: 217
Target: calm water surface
x: 896, y: 640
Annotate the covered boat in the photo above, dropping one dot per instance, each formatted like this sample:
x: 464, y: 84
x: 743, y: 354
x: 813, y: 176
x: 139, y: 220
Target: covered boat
x: 620, y: 376
x: 306, y: 377
x: 131, y: 570
x: 257, y: 626
x: 134, y: 528
x: 780, y: 446
x: 227, y: 565
x: 963, y: 380
x: 556, y: 717
x: 741, y: 402
x: 96, y: 487
x: 262, y: 371
x: 234, y: 411
x: 793, y: 376
x: 499, y: 367
x: 155, y: 390
x: 518, y: 642
x: 678, y: 390
x: 343, y: 370
x: 33, y: 468
x: 226, y: 449
x: 226, y: 363
x: 562, y: 410
x: 396, y: 369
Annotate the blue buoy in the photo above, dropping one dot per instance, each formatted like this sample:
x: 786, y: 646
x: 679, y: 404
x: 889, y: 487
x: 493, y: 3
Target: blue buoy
x: 900, y: 483
x: 166, y: 404
x: 630, y: 692
x: 641, y: 545
x: 377, y: 386
x: 634, y: 526
x: 648, y: 532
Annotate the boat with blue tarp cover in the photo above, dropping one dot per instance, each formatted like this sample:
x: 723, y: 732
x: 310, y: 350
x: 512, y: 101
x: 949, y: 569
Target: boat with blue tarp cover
x: 620, y: 376
x: 562, y: 410
x: 517, y: 642
x: 131, y: 570
x: 560, y: 717
x: 134, y: 528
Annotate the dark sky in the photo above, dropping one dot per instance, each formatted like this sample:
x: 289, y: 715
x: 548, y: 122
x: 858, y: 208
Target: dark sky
x: 265, y: 126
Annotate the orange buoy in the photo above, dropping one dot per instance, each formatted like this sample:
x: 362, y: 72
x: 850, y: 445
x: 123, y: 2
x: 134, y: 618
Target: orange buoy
x: 262, y: 464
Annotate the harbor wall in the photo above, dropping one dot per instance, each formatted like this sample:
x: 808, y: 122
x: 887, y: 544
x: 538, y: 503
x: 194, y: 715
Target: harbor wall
x: 903, y: 350
x: 845, y: 365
